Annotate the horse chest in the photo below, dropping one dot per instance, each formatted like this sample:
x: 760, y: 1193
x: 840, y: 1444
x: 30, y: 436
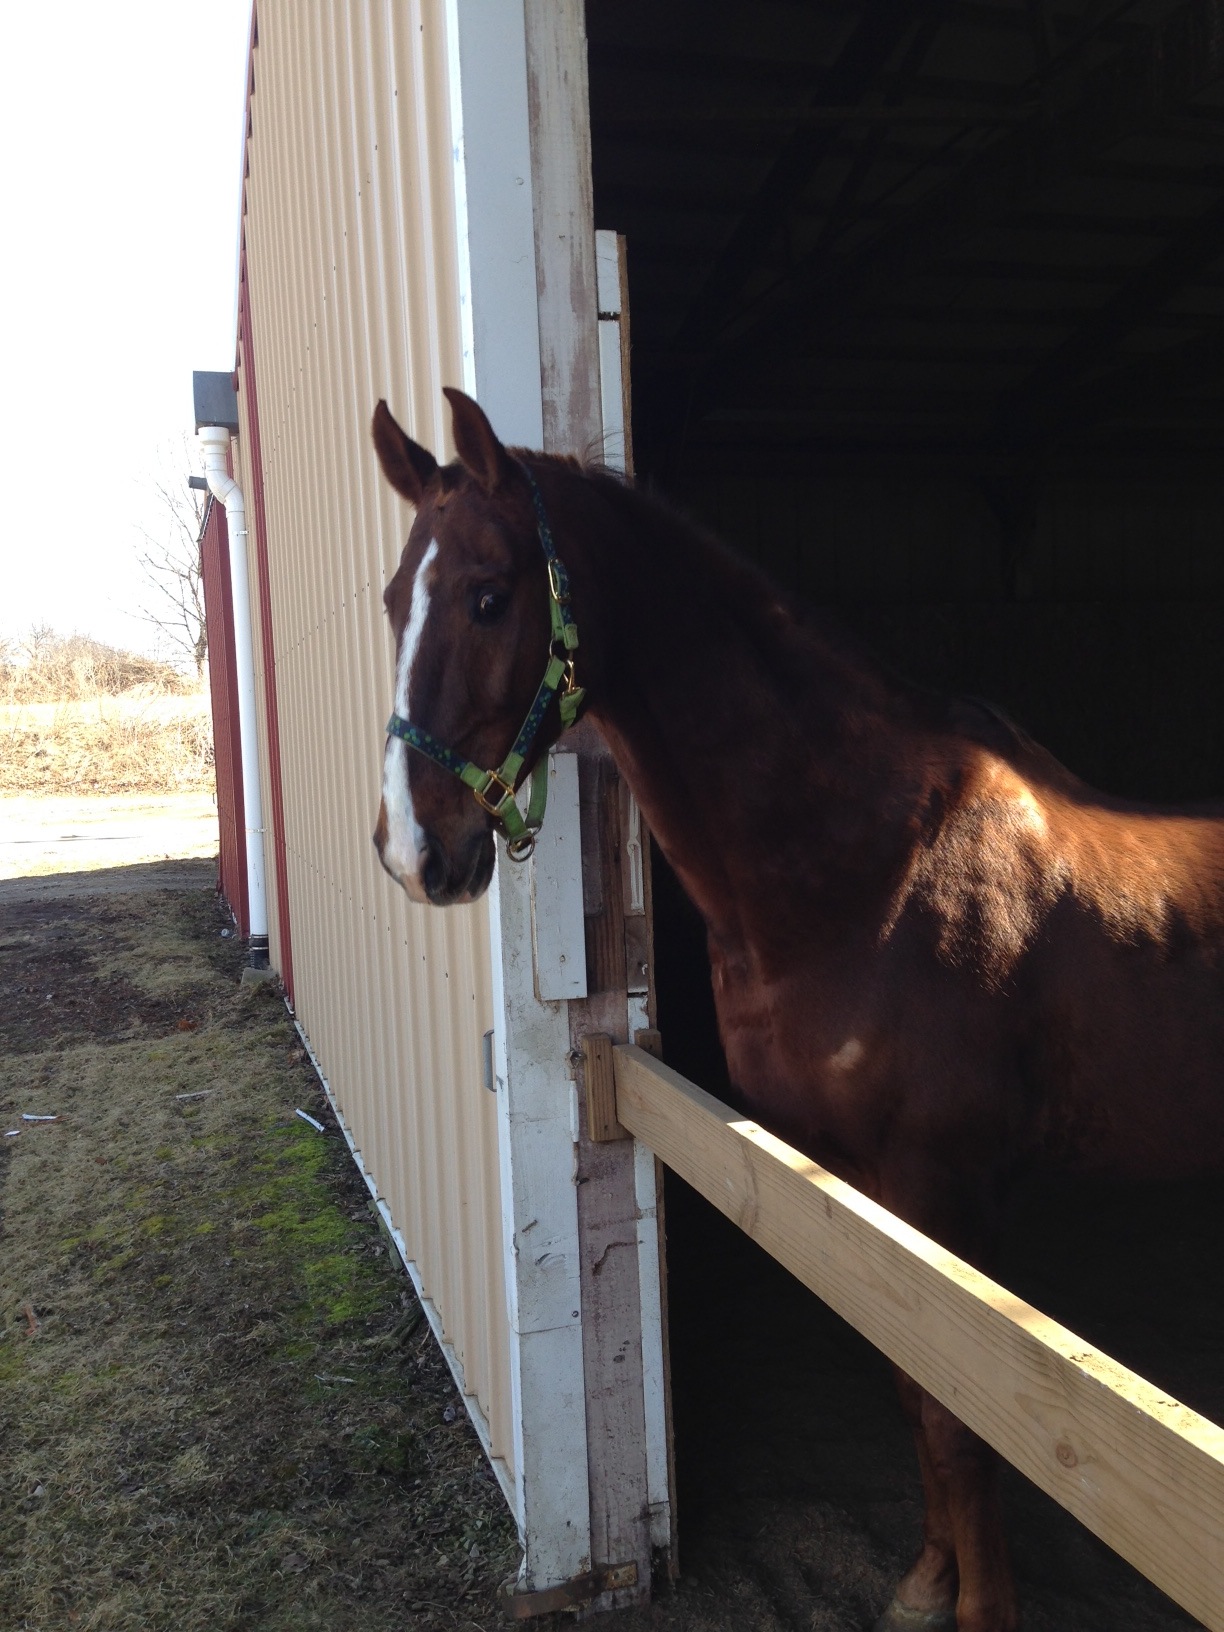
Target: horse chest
x: 805, y: 1052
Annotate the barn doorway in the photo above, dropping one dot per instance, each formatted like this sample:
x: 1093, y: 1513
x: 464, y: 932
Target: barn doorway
x: 927, y: 312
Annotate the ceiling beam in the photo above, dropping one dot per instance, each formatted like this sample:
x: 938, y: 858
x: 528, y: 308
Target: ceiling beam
x: 1147, y: 386
x: 1119, y: 98
x: 1039, y: 408
x: 870, y: 46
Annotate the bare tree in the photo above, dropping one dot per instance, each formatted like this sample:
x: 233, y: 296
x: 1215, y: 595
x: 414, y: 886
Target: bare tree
x: 172, y: 562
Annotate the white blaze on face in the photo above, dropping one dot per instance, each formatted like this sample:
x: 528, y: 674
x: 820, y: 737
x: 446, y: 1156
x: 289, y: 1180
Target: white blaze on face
x: 402, y: 852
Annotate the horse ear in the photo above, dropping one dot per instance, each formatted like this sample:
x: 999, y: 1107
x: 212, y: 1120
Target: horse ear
x: 476, y: 442
x: 406, y: 465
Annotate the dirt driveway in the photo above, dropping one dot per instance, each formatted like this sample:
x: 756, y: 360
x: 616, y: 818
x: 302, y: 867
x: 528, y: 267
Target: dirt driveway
x: 41, y: 835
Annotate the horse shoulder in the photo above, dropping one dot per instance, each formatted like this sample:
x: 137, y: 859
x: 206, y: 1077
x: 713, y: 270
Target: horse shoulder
x: 992, y: 866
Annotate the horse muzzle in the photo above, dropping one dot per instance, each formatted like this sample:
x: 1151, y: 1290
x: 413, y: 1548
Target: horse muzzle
x: 449, y: 881
x: 433, y: 875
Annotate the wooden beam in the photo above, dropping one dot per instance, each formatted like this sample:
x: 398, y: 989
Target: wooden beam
x: 1040, y: 407
x: 1146, y: 386
x: 878, y: 31
x: 602, y: 1125
x: 1119, y: 98
x: 1143, y: 1472
x: 620, y: 1329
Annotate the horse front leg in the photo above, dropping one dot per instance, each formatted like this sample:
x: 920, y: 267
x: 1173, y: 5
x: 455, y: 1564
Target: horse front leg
x: 961, y: 1580
x: 926, y: 1598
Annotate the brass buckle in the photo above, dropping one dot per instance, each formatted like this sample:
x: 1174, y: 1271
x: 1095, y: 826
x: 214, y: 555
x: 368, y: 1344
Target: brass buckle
x: 507, y: 792
x: 559, y: 592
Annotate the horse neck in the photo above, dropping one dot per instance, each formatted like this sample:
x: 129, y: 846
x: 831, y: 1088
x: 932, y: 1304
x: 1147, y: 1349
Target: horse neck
x: 774, y: 763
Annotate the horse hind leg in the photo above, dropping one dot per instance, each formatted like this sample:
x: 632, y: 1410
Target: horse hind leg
x: 965, y: 1472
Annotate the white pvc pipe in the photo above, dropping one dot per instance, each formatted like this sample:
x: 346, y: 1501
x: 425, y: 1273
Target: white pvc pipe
x: 215, y: 447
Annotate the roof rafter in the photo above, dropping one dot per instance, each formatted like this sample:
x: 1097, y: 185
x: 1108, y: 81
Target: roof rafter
x: 1121, y: 97
x: 869, y: 47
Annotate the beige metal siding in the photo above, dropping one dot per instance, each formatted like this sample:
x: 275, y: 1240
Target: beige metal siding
x: 352, y: 274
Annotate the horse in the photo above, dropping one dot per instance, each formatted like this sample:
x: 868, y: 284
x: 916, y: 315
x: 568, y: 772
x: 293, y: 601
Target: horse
x: 938, y: 957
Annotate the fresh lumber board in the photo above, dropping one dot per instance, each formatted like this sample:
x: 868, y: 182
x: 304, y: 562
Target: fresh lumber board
x: 1143, y: 1472
x: 602, y: 1125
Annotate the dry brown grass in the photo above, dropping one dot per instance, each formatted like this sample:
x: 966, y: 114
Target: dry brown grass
x: 133, y: 743
x: 46, y: 667
x: 78, y: 716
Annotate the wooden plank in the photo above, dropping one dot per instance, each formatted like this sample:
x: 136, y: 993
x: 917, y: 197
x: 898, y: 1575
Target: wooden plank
x: 614, y: 1339
x: 602, y: 1125
x: 604, y: 922
x: 493, y: 199
x: 564, y: 221
x: 1143, y: 1472
x: 556, y: 888
x: 619, y: 1311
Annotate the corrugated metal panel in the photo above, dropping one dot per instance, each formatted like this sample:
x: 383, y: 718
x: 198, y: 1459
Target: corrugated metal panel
x: 351, y: 277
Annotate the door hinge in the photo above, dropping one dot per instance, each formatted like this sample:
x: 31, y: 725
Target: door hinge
x: 575, y: 1594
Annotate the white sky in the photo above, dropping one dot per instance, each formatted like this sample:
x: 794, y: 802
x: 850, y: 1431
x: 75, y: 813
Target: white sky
x: 122, y: 129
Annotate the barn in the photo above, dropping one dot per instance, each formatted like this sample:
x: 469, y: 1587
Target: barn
x: 921, y: 308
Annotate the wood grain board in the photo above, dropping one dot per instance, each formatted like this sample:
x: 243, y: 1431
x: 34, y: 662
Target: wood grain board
x: 1143, y: 1472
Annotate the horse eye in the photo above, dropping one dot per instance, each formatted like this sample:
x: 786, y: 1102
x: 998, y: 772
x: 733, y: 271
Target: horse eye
x: 489, y: 605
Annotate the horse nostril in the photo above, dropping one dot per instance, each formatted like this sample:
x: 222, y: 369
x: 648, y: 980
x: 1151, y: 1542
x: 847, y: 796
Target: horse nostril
x: 433, y: 868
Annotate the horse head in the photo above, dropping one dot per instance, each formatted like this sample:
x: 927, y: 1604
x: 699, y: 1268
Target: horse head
x: 469, y: 607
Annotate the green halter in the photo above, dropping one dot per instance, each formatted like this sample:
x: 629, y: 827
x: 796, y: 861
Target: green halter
x: 495, y: 790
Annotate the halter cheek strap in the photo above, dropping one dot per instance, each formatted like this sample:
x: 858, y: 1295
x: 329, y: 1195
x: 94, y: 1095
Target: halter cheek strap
x: 494, y: 790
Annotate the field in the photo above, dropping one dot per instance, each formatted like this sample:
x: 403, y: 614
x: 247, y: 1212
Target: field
x: 134, y: 742
x: 106, y: 759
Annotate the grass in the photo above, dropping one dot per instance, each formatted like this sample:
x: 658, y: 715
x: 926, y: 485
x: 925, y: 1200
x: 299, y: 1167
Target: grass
x: 220, y: 1405
x: 136, y: 742
x: 47, y: 666
x: 80, y: 717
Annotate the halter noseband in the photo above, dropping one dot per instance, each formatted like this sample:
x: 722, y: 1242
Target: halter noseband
x: 494, y: 790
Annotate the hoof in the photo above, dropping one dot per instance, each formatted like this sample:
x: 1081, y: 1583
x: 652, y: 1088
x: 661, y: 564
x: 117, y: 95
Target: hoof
x: 898, y: 1617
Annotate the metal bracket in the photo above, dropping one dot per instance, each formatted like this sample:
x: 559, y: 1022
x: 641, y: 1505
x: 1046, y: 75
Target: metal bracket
x: 575, y: 1594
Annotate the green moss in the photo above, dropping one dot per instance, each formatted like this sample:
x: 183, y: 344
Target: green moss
x: 338, y: 1290
x: 12, y: 1362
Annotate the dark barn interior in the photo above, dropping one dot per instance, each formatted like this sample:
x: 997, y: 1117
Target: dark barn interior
x: 927, y: 305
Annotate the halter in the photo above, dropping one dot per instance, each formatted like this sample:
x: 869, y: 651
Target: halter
x: 494, y: 790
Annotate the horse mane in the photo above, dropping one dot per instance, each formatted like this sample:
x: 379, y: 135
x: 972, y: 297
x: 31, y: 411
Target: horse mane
x: 784, y: 625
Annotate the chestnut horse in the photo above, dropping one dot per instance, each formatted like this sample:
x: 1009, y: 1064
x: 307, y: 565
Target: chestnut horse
x: 937, y: 956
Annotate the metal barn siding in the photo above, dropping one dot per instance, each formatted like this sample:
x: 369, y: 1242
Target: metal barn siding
x: 223, y: 690
x: 350, y: 295
x: 270, y: 757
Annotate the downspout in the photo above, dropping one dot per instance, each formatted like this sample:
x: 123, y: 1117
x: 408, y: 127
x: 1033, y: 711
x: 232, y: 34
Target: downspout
x: 215, y: 447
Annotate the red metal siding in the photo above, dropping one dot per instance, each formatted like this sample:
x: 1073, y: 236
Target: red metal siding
x: 256, y: 510
x: 227, y: 745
